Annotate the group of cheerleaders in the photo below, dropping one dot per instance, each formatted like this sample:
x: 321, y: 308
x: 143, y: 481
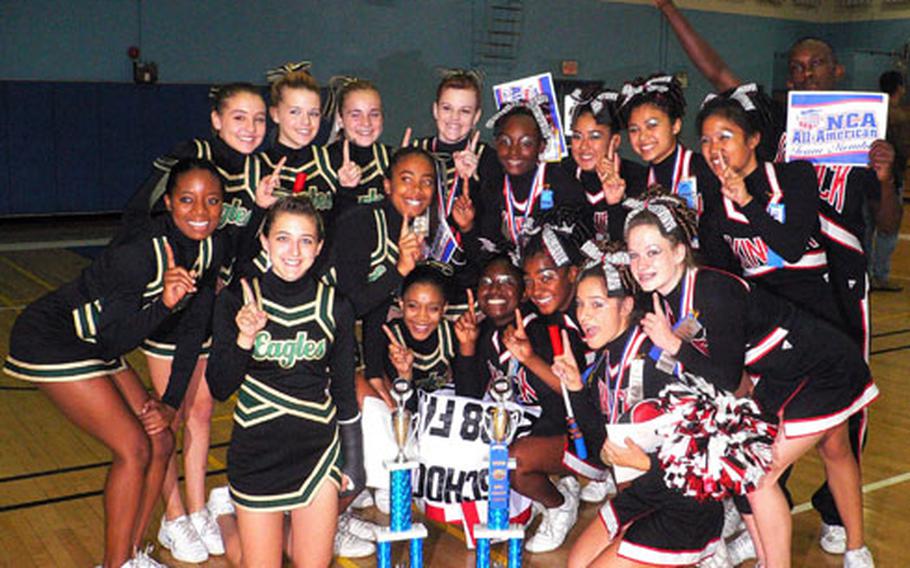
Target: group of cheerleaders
x: 240, y: 272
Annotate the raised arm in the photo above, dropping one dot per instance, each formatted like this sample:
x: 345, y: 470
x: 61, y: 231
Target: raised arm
x: 698, y: 50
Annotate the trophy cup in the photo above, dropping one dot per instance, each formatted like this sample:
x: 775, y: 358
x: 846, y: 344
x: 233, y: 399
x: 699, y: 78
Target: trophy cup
x: 400, y: 527
x: 499, y: 424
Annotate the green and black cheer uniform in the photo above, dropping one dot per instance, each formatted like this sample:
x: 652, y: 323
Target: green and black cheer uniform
x: 661, y: 524
x: 296, y: 423
x: 608, y: 220
x: 241, y: 174
x: 487, y: 165
x: 374, y: 164
x: 433, y: 356
x: 307, y: 168
x: 81, y: 330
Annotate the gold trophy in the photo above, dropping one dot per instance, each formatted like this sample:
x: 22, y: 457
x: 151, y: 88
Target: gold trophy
x: 402, y: 418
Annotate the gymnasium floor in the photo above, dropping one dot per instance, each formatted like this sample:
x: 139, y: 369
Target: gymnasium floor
x: 51, y: 475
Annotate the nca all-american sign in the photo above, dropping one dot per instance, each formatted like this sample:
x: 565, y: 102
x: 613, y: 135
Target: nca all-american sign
x: 834, y: 127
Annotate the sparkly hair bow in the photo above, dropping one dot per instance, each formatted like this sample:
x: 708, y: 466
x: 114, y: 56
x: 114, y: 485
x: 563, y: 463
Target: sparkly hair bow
x: 597, y: 99
x: 661, y: 211
x: 740, y: 94
x: 656, y: 84
x: 535, y: 105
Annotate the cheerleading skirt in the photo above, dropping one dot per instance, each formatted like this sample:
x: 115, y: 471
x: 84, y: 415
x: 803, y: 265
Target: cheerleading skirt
x: 826, y: 396
x: 53, y: 342
x: 282, y: 448
x: 662, y: 526
x: 164, y: 350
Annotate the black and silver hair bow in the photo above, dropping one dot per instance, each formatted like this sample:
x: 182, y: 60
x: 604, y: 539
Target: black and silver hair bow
x: 535, y: 105
x: 658, y: 84
x: 740, y: 94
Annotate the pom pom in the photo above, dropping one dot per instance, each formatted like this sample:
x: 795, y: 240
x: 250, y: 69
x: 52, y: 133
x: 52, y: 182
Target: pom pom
x: 718, y: 445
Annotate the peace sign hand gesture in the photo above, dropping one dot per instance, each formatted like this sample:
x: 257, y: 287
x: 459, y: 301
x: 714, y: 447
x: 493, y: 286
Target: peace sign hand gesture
x: 733, y: 185
x: 565, y: 367
x: 466, y: 160
x: 265, y: 191
x: 515, y: 338
x: 251, y: 319
x: 614, y: 187
x: 467, y: 329
x: 401, y: 357
x: 349, y: 173
x: 178, y: 281
x: 657, y: 326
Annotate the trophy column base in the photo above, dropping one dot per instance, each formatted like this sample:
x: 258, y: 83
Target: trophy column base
x: 515, y: 530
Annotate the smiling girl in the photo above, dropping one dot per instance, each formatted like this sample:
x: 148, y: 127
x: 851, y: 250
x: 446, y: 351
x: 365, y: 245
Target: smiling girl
x: 811, y: 377
x: 71, y: 343
x: 653, y: 110
x: 594, y: 159
x: 358, y: 162
x: 287, y: 343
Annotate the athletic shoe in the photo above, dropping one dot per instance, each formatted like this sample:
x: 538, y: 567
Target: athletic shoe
x: 349, y: 545
x: 859, y: 558
x: 381, y: 498
x: 143, y: 559
x: 720, y: 559
x: 363, y: 500
x: 220, y: 502
x: 598, y: 491
x: 741, y: 549
x: 208, y: 531
x: 362, y: 529
x: 733, y: 521
x: 558, y: 521
x: 833, y: 539
x: 181, y: 539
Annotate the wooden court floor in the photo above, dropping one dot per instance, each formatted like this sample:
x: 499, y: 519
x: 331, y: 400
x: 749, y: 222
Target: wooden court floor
x: 51, y: 475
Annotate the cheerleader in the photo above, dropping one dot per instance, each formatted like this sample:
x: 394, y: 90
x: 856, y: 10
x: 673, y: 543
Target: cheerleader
x: 548, y: 262
x: 421, y: 343
x: 71, y: 342
x: 647, y: 523
x: 594, y: 159
x: 238, y: 121
x: 652, y: 111
x: 456, y: 111
x: 287, y: 343
x: 357, y: 162
x: 767, y: 213
x: 296, y: 108
x: 810, y: 376
x: 528, y: 187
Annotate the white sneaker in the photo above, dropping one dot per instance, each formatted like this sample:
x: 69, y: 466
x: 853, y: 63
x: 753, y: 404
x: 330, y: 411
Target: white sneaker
x: 143, y: 559
x: 598, y: 491
x: 381, y: 498
x: 833, y: 539
x: 349, y: 545
x: 741, y: 549
x: 181, y: 539
x: 720, y: 559
x: 363, y: 500
x: 859, y: 558
x: 558, y: 521
x: 362, y: 529
x: 208, y: 531
x: 220, y: 502
x: 733, y: 521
